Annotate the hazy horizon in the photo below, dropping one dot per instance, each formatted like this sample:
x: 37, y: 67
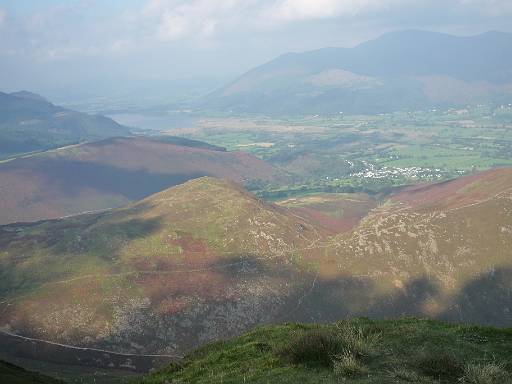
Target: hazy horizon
x: 87, y: 48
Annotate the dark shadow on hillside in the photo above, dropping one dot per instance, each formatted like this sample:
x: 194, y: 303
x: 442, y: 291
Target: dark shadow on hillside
x: 247, y: 291
x: 331, y: 300
x: 485, y: 300
x: 228, y: 296
x: 71, y: 177
x: 273, y: 292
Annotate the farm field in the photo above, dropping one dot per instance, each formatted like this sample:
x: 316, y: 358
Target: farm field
x: 339, y: 153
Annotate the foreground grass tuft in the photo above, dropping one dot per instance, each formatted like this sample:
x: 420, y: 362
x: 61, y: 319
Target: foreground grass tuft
x: 486, y: 373
x: 340, y: 347
x: 313, y: 347
x: 356, y: 340
x: 347, y: 365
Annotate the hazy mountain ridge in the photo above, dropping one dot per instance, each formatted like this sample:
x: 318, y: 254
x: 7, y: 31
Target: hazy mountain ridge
x: 398, y: 71
x: 28, y: 122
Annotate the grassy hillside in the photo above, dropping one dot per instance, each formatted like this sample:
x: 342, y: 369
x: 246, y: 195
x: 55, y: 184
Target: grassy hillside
x: 354, y: 351
x: 11, y: 374
x: 30, y: 123
x: 111, y: 173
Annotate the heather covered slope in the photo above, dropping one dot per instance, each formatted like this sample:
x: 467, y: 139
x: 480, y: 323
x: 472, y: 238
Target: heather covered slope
x: 29, y: 123
x: 440, y: 251
x: 207, y: 260
x: 337, y: 212
x: 200, y: 261
x: 111, y: 173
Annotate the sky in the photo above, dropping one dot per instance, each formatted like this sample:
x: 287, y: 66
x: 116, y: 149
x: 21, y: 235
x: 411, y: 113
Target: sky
x: 90, y: 48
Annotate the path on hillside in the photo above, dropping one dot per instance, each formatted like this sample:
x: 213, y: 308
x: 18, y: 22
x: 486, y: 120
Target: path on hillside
x: 8, y: 301
x: 85, y: 349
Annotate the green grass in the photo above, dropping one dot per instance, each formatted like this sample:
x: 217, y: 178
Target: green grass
x: 355, y: 351
x: 445, y: 157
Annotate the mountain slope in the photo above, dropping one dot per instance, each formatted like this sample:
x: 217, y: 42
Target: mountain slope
x: 200, y: 261
x: 207, y: 260
x: 111, y: 173
x: 29, y: 123
x: 439, y: 251
x: 399, y: 70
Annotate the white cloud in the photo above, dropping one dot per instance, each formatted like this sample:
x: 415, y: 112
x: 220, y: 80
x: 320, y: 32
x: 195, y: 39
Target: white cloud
x: 173, y: 26
x: 176, y: 19
x: 180, y: 18
x: 317, y: 9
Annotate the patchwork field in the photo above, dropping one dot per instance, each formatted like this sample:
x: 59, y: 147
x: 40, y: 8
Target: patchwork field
x: 343, y: 153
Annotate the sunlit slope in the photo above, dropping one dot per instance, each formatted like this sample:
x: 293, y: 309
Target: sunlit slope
x: 196, y: 262
x: 442, y: 250
x: 111, y: 173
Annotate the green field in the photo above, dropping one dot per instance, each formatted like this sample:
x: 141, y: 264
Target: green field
x: 368, y: 153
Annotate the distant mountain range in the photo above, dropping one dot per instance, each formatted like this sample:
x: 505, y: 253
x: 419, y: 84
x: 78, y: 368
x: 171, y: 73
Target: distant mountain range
x: 113, y: 172
x: 206, y: 260
x: 28, y: 123
x: 398, y: 71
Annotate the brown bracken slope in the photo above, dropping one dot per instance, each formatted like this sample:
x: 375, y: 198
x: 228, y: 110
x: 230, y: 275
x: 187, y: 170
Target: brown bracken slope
x: 111, y: 173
